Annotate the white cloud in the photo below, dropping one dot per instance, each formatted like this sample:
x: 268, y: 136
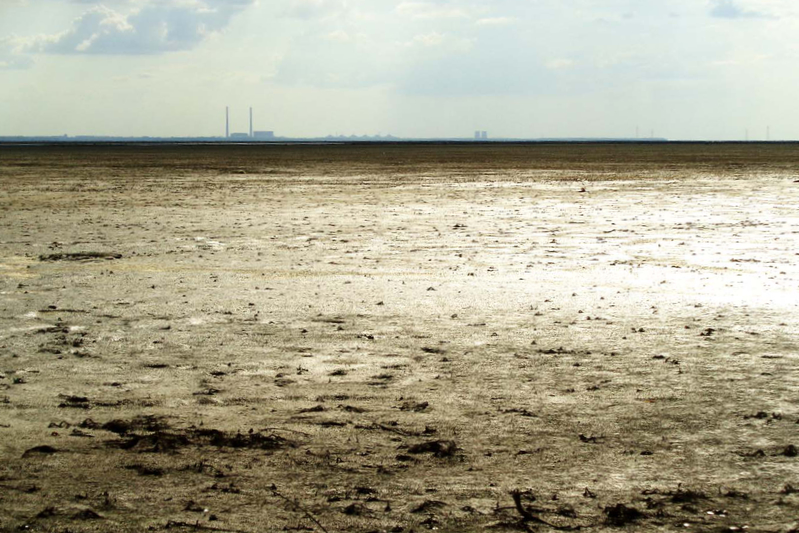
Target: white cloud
x: 427, y: 40
x: 11, y: 57
x: 339, y: 36
x: 151, y: 27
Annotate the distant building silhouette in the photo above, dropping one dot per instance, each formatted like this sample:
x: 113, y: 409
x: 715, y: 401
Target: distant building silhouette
x: 264, y: 135
x: 484, y: 135
x: 477, y: 135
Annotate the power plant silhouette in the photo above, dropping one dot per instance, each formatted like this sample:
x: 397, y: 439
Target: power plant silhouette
x: 258, y: 135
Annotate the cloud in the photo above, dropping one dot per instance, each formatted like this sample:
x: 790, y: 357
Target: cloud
x: 10, y: 56
x: 727, y: 9
x: 339, y: 36
x: 431, y: 48
x: 427, y: 40
x: 151, y: 28
x: 486, y: 68
x: 446, y: 43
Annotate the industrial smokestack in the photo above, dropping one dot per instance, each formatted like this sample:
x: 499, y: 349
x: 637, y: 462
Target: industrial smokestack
x: 251, y: 122
x: 227, y: 122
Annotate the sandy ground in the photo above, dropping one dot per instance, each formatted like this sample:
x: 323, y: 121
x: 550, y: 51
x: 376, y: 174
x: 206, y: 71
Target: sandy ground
x: 399, y: 338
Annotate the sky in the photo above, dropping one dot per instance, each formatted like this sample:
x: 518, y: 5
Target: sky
x: 679, y: 69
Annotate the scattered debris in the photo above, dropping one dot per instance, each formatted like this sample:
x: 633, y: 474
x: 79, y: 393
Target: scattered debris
x: 356, y: 509
x: 428, y: 506
x: 297, y: 507
x: 620, y: 515
x: 80, y: 256
x: 429, y: 349
x: 686, y: 495
x: 532, y: 514
x: 315, y: 409
x: 146, y: 423
x: 417, y: 407
x: 160, y: 440
x: 439, y: 448
x: 87, y: 514
x: 789, y: 489
x: 39, y: 450
x: 76, y: 402
x: 144, y: 470
x: 352, y: 409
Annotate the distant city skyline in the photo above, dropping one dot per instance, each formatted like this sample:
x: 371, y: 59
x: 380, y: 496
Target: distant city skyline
x: 678, y: 69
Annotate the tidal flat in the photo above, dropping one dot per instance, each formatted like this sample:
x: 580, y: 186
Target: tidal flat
x: 399, y: 337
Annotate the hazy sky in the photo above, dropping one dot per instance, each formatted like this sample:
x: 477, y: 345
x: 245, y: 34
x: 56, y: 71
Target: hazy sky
x: 685, y: 69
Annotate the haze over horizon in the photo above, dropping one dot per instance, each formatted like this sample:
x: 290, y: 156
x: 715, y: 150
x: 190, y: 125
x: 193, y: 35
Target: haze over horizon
x: 681, y: 69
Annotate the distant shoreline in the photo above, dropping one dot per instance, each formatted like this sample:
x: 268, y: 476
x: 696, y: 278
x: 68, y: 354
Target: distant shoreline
x: 103, y: 141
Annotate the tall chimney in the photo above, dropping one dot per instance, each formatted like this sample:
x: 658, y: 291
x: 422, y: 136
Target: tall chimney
x: 251, y: 122
x: 227, y: 122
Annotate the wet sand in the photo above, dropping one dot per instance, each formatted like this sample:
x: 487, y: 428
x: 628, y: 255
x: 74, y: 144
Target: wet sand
x: 399, y: 338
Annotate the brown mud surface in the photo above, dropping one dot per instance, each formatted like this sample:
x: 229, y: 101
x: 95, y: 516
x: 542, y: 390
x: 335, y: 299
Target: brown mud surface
x: 399, y: 338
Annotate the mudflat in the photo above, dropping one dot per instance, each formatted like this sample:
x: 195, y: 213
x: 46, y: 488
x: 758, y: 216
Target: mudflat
x: 399, y: 338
